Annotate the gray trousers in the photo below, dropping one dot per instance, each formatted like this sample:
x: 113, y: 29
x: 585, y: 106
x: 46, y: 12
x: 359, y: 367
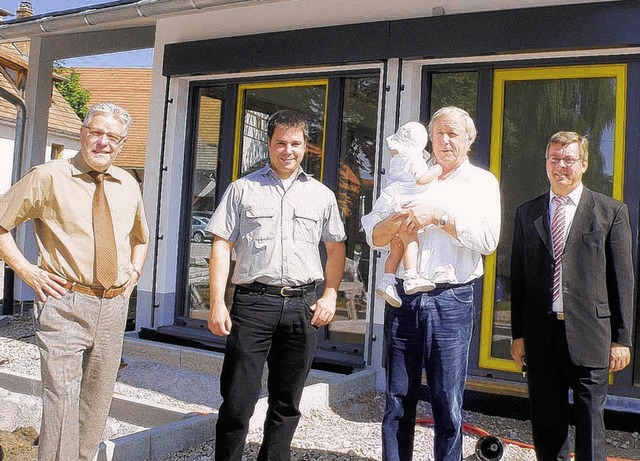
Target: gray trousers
x: 80, y: 341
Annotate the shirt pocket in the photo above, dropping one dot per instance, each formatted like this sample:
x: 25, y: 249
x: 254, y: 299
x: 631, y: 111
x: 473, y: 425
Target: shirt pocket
x: 306, y: 225
x: 258, y: 224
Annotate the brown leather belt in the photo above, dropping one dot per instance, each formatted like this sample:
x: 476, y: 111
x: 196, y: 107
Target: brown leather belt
x: 105, y: 293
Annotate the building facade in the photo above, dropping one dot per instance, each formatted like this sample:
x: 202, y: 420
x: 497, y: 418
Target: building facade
x: 359, y: 69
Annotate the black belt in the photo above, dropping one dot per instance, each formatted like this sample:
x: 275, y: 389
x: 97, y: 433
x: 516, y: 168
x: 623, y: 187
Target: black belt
x: 446, y: 286
x: 556, y: 315
x: 285, y: 292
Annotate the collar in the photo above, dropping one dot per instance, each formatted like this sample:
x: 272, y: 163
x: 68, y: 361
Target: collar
x: 268, y: 171
x: 574, y: 195
x: 460, y: 168
x: 79, y: 167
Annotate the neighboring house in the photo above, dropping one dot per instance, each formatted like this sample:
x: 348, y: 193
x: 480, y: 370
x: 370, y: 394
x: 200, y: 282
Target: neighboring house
x: 64, y: 125
x: 131, y: 89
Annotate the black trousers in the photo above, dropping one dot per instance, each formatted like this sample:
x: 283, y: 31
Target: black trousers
x: 550, y: 379
x: 276, y: 330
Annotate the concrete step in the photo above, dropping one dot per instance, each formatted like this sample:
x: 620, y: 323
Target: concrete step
x: 174, y: 391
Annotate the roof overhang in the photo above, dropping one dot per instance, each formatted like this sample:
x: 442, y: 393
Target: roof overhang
x: 145, y: 13
x: 110, y: 16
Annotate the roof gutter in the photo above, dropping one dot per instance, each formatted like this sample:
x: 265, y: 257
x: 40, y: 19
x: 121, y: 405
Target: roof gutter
x: 42, y: 25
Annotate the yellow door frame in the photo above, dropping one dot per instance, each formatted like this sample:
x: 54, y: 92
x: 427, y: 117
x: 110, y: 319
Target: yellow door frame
x: 242, y: 88
x: 501, y: 77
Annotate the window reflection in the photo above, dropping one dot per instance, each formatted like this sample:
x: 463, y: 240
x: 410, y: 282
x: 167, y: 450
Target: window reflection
x: 205, y: 174
x: 260, y: 100
x: 355, y: 194
x: 356, y: 161
x: 533, y: 111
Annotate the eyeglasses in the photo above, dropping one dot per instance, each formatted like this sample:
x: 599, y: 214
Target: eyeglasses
x: 113, y: 138
x: 569, y: 161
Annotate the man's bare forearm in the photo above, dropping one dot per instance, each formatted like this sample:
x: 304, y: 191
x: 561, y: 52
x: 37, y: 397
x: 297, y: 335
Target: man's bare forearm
x: 385, y: 230
x: 11, y: 254
x: 138, y: 255
x: 336, y: 254
x: 219, y: 265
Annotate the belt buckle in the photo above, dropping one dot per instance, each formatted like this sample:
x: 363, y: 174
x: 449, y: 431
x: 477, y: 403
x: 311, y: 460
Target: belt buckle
x: 289, y: 292
x: 560, y: 315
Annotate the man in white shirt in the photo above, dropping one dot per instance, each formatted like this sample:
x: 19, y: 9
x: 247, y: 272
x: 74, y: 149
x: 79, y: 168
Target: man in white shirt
x: 432, y: 330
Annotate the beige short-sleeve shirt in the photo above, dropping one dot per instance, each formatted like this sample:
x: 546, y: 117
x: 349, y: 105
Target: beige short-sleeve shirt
x: 57, y: 196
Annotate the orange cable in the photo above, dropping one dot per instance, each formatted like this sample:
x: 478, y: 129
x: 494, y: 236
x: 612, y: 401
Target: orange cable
x: 482, y: 433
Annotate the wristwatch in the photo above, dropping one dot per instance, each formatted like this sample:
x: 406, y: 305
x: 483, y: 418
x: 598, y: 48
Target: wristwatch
x: 443, y: 220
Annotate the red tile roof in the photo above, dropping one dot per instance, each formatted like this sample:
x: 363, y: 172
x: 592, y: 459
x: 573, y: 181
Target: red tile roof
x: 131, y: 89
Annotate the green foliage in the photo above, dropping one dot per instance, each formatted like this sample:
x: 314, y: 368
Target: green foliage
x: 73, y: 92
x: 458, y: 89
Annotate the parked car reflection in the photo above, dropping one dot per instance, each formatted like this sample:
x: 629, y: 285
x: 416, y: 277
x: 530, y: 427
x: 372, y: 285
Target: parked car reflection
x: 198, y: 233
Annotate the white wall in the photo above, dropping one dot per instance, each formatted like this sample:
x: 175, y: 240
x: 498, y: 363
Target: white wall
x: 6, y: 163
x: 7, y: 134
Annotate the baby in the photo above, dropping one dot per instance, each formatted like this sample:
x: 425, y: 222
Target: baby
x: 408, y: 175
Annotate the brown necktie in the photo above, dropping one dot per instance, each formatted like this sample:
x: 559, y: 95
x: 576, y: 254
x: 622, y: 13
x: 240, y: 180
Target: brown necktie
x: 106, y: 257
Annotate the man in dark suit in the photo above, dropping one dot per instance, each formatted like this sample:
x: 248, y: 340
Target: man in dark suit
x: 571, y: 334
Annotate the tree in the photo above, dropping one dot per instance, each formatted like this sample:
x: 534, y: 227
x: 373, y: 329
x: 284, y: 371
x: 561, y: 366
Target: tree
x: 73, y: 92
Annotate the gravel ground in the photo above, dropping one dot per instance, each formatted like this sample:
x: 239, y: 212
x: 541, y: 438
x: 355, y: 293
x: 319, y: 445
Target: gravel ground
x: 351, y: 432
x: 348, y: 432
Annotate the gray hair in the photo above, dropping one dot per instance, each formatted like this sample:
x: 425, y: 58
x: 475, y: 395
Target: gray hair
x: 469, y: 126
x: 108, y: 108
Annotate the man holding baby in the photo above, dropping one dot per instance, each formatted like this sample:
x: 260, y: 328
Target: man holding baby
x: 458, y: 221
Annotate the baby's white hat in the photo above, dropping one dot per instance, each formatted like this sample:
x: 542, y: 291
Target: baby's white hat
x: 411, y: 135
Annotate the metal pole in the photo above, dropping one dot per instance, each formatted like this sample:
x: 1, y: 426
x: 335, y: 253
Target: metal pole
x: 158, y: 235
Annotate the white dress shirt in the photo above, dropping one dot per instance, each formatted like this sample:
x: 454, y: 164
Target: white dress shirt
x: 569, y: 213
x: 470, y: 196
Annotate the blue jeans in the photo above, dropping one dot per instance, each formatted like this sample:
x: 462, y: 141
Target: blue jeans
x: 430, y: 331
x: 276, y: 330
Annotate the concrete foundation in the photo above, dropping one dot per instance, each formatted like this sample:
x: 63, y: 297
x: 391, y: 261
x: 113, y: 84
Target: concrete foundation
x: 174, y: 429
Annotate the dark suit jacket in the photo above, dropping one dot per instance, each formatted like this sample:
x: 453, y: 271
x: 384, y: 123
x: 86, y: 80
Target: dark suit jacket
x: 597, y: 286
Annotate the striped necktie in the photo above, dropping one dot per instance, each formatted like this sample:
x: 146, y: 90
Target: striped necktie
x: 557, y: 237
x: 106, y: 256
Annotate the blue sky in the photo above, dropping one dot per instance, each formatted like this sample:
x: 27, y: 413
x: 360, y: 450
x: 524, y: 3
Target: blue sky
x: 137, y: 58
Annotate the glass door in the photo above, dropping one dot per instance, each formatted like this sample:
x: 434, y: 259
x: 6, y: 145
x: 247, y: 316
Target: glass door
x: 530, y: 105
x: 205, y: 167
x: 356, y: 162
x: 257, y: 101
x: 343, y: 127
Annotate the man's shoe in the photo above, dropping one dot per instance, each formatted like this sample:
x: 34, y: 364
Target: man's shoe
x: 388, y: 292
x: 417, y: 284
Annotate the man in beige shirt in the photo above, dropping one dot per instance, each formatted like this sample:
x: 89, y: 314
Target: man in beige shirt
x: 92, y: 239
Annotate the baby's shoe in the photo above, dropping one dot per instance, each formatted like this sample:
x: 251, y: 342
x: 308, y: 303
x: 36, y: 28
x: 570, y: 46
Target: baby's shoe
x: 388, y: 292
x: 416, y: 284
